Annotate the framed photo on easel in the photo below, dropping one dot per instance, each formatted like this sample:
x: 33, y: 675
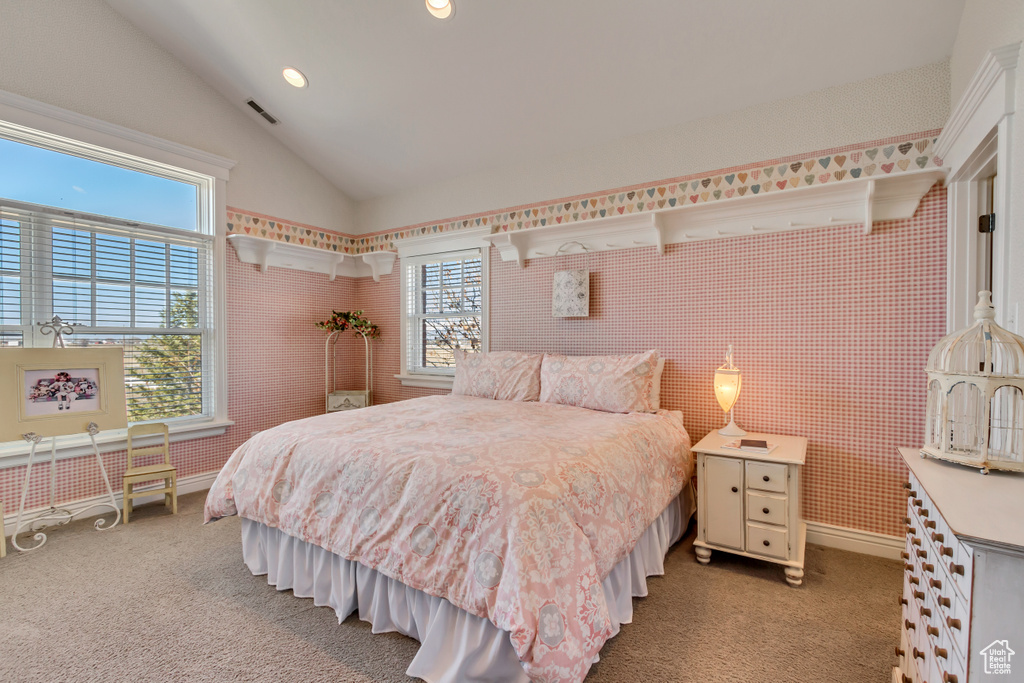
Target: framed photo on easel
x: 54, y: 392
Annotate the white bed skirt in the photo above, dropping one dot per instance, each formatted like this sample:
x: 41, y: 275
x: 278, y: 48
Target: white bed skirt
x: 455, y: 645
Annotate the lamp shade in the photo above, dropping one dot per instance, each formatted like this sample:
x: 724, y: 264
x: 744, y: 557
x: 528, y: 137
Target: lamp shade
x: 570, y: 294
x: 727, y: 387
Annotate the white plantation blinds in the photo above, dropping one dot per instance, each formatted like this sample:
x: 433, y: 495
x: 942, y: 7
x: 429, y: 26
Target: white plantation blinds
x: 444, y: 309
x: 144, y: 287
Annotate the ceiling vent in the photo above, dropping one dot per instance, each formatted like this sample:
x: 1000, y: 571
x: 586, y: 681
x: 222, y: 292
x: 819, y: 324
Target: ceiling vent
x: 262, y: 112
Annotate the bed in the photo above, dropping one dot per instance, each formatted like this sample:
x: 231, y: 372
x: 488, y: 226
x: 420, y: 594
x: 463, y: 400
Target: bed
x: 508, y: 537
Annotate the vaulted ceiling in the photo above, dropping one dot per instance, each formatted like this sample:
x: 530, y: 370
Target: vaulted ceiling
x: 398, y: 99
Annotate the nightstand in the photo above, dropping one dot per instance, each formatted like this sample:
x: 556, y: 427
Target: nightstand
x: 749, y: 503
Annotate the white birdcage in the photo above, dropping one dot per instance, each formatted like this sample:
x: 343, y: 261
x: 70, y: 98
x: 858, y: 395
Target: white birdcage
x: 976, y: 395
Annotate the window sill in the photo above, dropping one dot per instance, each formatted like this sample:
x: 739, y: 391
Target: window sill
x: 15, y: 453
x: 426, y: 381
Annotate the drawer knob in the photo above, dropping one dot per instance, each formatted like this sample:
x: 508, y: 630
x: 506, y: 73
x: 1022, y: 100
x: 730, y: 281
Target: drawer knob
x: 923, y: 513
x: 766, y: 478
x: 765, y: 510
x: 932, y: 631
x: 906, y: 679
x: 941, y: 652
x: 928, y: 523
x: 957, y: 569
x: 906, y: 520
x: 735, y: 490
x: 945, y: 602
x: 911, y: 492
x: 928, y: 567
x: 899, y: 651
x: 922, y: 553
x: 948, y: 677
x: 903, y: 601
x: 943, y: 550
x: 766, y: 542
x: 909, y: 567
x: 935, y: 583
x: 915, y: 541
x: 953, y: 623
x: 914, y: 580
x: 918, y: 654
x: 919, y: 595
x: 908, y: 624
x: 937, y: 537
x: 912, y: 531
x: 905, y: 555
x: 925, y: 612
x: 906, y: 485
x: 917, y: 502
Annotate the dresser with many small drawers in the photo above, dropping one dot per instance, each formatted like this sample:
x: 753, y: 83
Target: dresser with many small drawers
x: 963, y: 584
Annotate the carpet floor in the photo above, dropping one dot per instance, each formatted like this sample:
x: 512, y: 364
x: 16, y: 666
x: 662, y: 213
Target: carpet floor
x: 168, y: 599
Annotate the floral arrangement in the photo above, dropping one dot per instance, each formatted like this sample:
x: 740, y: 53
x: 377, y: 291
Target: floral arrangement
x: 350, y: 320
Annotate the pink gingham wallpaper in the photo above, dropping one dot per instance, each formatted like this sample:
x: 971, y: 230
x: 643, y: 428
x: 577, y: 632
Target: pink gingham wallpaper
x: 831, y: 329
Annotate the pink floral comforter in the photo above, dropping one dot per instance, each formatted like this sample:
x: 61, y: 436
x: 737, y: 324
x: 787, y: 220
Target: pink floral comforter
x: 512, y: 511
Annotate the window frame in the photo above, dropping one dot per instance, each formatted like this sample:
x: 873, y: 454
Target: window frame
x: 43, y: 125
x: 418, y: 251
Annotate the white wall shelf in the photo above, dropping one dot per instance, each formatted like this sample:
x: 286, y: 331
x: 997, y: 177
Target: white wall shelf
x: 864, y: 201
x: 266, y: 253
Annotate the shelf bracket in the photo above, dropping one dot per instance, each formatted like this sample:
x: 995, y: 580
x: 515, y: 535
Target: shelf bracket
x: 869, y: 199
x: 380, y: 262
x: 658, y: 223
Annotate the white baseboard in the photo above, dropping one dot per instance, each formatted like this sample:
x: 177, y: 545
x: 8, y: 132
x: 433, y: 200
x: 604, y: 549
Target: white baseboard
x: 865, y: 542
x: 196, y: 482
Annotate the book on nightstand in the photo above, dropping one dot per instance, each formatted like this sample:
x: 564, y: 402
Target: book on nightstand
x: 750, y: 445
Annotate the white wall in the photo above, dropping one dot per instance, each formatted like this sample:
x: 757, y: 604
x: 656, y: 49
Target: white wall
x: 988, y: 24
x: 894, y: 104
x: 83, y: 56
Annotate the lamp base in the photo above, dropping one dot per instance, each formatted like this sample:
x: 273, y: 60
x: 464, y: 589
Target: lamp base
x: 732, y: 429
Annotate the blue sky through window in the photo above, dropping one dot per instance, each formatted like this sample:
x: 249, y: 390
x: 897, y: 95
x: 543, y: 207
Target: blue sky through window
x: 41, y: 176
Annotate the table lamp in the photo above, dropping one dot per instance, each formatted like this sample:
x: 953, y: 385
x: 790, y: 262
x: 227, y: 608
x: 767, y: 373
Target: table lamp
x: 727, y: 390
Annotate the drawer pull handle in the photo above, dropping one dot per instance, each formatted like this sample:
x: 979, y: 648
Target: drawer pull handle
x: 932, y: 631
x: 928, y: 568
x: 941, y: 652
x: 948, y: 677
x: 937, y: 537
x: 943, y: 550
x: 919, y: 595
x: 922, y: 553
x: 766, y: 478
x: 908, y: 624
x: 953, y: 623
x: 765, y: 511
x: 935, y: 583
x: 766, y: 542
x: 957, y: 569
x: 945, y: 602
x: 918, y: 654
x: 735, y: 490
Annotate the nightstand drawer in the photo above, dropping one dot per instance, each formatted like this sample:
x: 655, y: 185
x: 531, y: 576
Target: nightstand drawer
x: 766, y: 476
x: 762, y: 507
x: 767, y: 540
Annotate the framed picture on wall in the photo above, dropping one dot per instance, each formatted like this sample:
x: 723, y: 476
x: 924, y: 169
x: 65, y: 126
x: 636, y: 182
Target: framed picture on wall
x: 53, y: 392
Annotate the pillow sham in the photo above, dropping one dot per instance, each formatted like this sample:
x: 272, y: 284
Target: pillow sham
x: 656, y: 384
x: 499, y: 375
x: 614, y: 384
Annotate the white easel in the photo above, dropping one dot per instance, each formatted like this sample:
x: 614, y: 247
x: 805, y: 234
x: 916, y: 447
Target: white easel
x: 58, y: 328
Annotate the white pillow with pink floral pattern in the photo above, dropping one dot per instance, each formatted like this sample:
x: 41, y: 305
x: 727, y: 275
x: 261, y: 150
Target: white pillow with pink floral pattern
x: 500, y: 375
x: 614, y: 384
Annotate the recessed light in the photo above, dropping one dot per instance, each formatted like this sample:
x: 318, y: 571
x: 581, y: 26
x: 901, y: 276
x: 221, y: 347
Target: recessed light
x: 442, y: 9
x: 295, y: 77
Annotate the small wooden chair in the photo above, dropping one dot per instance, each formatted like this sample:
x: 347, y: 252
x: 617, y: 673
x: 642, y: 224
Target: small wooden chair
x: 164, y: 470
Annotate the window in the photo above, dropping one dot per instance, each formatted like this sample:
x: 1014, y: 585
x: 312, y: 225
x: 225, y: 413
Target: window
x: 138, y: 275
x: 445, y: 308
